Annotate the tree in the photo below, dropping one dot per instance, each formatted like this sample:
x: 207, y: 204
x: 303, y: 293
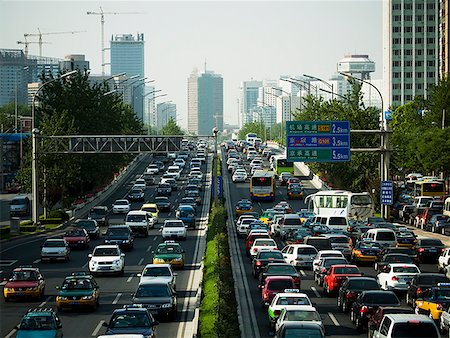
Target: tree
x: 258, y: 128
x: 8, y: 115
x: 171, y: 128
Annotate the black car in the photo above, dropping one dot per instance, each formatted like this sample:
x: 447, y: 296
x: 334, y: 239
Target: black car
x: 429, y: 249
x: 195, y: 181
x: 190, y: 187
x: 422, y: 282
x: 172, y: 182
x: 367, y: 303
x: 375, y: 320
x: 132, y: 319
x: 90, y: 226
x: 352, y: 288
x: 392, y: 258
x: 160, y: 298
x: 99, y: 213
x: 120, y: 235
x: 163, y: 203
x: 405, y: 213
x: 263, y: 258
x: 136, y: 194
x: 163, y: 189
x: 279, y: 269
x: 399, y: 250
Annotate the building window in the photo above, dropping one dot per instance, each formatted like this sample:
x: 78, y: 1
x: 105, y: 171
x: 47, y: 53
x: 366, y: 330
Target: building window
x: 408, y: 75
x: 396, y: 29
x: 396, y: 75
x: 395, y: 41
x: 408, y: 63
x: 419, y: 86
x: 431, y: 63
x: 396, y: 64
x: 408, y: 51
x: 419, y: 6
x: 408, y: 41
x: 430, y: 75
x: 397, y: 52
x: 431, y: 29
x: 430, y: 6
x: 430, y: 41
x: 419, y: 29
x: 419, y: 63
x: 430, y: 51
x: 396, y: 7
x: 419, y: 75
x: 408, y: 85
x: 419, y: 17
x: 408, y: 17
x: 407, y: 29
x: 408, y: 6
x: 397, y: 18
x: 408, y: 97
x: 430, y: 17
x: 396, y: 97
x: 419, y: 51
x: 419, y: 41
x: 396, y: 86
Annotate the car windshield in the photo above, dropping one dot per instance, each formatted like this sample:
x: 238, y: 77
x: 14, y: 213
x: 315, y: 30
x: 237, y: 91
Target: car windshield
x: 330, y: 262
x: 280, y: 285
x: 397, y: 259
x: 24, y: 276
x: 302, y: 332
x: 125, y: 320
x: 149, y: 209
x: 414, y: 329
x: 77, y: 284
x: 19, y: 201
x: 121, y: 203
x: 157, y: 271
x: 281, y: 269
x: 346, y: 270
x: 431, y: 242
x: 136, y: 218
x: 338, y: 221
x: 38, y: 323
x: 173, y: 225
x: 117, y: 232
x: 54, y: 244
x: 301, y: 315
x: 293, y: 301
x: 136, y: 192
x: 405, y: 269
x: 161, y: 200
x: 385, y: 236
x: 339, y: 239
x: 99, y: 252
x: 152, y: 290
x: 86, y: 224
x: 382, y: 297
x: 74, y: 233
x: 365, y: 284
x: 270, y: 254
x: 168, y: 249
x: 98, y: 212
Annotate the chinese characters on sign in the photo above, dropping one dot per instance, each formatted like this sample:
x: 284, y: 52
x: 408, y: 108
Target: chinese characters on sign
x: 386, y: 192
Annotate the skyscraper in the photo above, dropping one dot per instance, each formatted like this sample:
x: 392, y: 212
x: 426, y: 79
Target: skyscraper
x: 193, y: 102
x: 165, y: 111
x: 248, y: 100
x: 410, y: 49
x: 74, y: 62
x: 445, y: 38
x: 127, y: 55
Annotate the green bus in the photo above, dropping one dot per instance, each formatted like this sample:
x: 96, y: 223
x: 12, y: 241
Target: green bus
x: 281, y: 165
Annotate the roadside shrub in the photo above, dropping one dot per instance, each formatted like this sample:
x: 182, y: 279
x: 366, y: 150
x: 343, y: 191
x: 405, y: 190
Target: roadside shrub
x: 50, y: 220
x: 59, y: 213
x: 26, y: 222
x: 27, y: 228
x: 5, y: 231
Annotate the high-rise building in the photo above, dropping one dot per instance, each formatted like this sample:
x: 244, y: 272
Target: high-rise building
x: 74, y: 62
x: 164, y: 112
x: 445, y: 39
x: 410, y: 49
x: 205, y: 102
x: 13, y: 76
x: 248, y: 100
x: 127, y: 56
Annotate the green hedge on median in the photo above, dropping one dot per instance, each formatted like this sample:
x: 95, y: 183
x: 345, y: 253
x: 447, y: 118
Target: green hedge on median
x: 27, y: 228
x: 218, y: 308
x: 5, y: 231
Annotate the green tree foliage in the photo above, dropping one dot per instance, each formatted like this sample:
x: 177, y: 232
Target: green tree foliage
x: 258, y: 128
x: 171, y: 128
x: 8, y: 115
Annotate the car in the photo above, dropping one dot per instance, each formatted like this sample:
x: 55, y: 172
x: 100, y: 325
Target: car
x: 239, y: 176
x: 299, y: 313
x: 139, y: 222
x: 179, y: 162
x: 196, y: 173
x: 399, y: 250
x: 336, y: 275
x: 99, y: 213
x: 433, y: 301
x: 286, y: 299
x: 163, y: 189
x: 77, y: 238
x: 406, y: 239
x: 300, y: 329
x: 286, y: 223
x: 377, y: 317
x: 152, y: 210
x: 296, y: 236
x: 324, y: 254
x: 140, y: 184
x: 252, y: 236
x: 397, y: 276
x: 107, y: 259
x: 422, y: 282
x: 365, y: 251
x: 392, y: 258
x: 174, y: 229
x: 429, y: 249
x: 131, y: 320
x: 163, y: 203
x: 19, y: 206
x: 367, y: 303
x: 153, y: 169
x: 279, y: 269
x: 284, y: 177
x: 196, y: 182
x: 148, y: 178
x: 352, y: 288
x: 299, y: 255
x: 406, y: 325
x: 169, y: 252
x: 79, y: 290
x: 136, y: 194
x: 324, y: 265
x: 243, y: 206
x: 24, y: 282
x: 194, y: 194
x: 40, y: 322
x: 262, y: 244
x: 257, y: 225
x: 319, y: 242
x: 90, y: 226
x: 273, y: 285
x: 243, y: 226
x: 439, y: 224
x: 55, y: 249
x: 444, y: 321
x: 189, y: 201
x: 186, y: 213
x: 120, y: 235
x: 264, y: 257
x: 295, y: 191
x: 159, y: 297
x: 158, y: 273
x: 172, y: 182
x: 191, y: 187
x: 121, y: 206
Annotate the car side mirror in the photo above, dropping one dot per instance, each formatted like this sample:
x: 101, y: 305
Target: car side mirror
x: 139, y: 275
x: 175, y: 273
x: 122, y: 255
x: 59, y: 326
x: 132, y: 294
x: 90, y: 255
x: 57, y: 287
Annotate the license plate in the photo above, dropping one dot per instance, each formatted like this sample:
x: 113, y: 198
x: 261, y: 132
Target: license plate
x: 406, y: 280
x: 104, y: 268
x: 74, y: 303
x: 19, y: 293
x: 432, y: 250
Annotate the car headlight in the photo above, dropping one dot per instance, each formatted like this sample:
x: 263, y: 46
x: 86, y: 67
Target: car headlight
x: 93, y: 262
x: 8, y: 289
x: 167, y: 305
x: 117, y: 262
x: 126, y: 241
x: 155, y: 259
x: 61, y: 298
x: 178, y: 259
x: 87, y: 297
x: 81, y: 242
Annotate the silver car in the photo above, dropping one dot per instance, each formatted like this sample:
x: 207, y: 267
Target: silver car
x: 55, y: 249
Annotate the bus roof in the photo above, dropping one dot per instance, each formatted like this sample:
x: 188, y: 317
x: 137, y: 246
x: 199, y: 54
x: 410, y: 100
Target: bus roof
x: 438, y: 181
x: 263, y: 173
x: 337, y: 192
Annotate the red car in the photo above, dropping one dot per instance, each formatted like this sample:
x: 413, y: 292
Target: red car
x: 273, y: 285
x: 251, y: 238
x: 25, y: 282
x: 77, y: 238
x: 336, y: 276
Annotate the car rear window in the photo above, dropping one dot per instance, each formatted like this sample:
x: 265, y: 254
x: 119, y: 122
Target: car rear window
x: 263, y: 242
x: 306, y: 251
x: 270, y: 254
x: 431, y: 242
x: 432, y: 280
x: 385, y: 236
x: 293, y: 301
x: 292, y: 221
x: 280, y: 285
x: 329, y: 262
x: 405, y: 269
x: 346, y: 270
x: 383, y: 297
x: 337, y: 221
x: 414, y: 329
x: 341, y: 239
x: 281, y: 269
x: 366, y: 284
x: 323, y: 243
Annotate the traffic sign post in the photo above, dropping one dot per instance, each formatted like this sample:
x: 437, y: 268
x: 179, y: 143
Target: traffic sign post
x: 387, y: 193
x: 318, y: 141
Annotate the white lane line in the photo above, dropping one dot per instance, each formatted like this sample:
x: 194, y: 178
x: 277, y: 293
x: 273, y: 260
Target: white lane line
x: 116, y: 300
x: 176, y: 200
x: 36, y: 261
x: 97, y: 328
x: 315, y: 291
x: 9, y: 335
x: 85, y: 264
x: 49, y: 298
x: 130, y: 278
x: 302, y: 273
x: 333, y: 319
x: 141, y: 260
x: 149, y: 248
x: 154, y: 238
x: 169, y: 214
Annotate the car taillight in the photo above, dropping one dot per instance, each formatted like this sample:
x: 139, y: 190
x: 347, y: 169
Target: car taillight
x: 419, y: 290
x: 265, y: 294
x: 323, y: 270
x: 364, y: 309
x: 258, y: 263
x: 255, y: 249
x: 350, y: 294
x: 276, y: 312
x: 421, y: 249
x: 357, y: 252
x: 442, y: 249
x: 251, y: 194
x: 297, y: 280
x: 271, y: 194
x: 439, y: 306
x: 394, y: 278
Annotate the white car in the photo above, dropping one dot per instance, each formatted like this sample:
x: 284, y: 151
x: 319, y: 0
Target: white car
x: 323, y: 254
x: 140, y: 183
x: 153, y: 169
x: 174, y: 229
x: 286, y: 299
x: 232, y: 160
x: 299, y: 314
x: 158, y: 273
x: 262, y: 244
x: 397, y: 276
x: 239, y: 176
x: 300, y: 255
x: 251, y: 155
x: 242, y: 227
x: 121, y: 207
x: 444, y: 260
x: 55, y: 249
x: 256, y: 162
x: 106, y: 259
x: 174, y: 171
x: 196, y: 174
x: 179, y: 162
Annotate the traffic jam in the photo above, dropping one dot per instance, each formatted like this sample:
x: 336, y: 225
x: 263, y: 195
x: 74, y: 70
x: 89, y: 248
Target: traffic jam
x: 386, y: 280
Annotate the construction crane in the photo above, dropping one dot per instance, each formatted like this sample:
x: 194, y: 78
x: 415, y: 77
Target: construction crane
x: 102, y: 21
x: 26, y: 43
x: 40, y: 36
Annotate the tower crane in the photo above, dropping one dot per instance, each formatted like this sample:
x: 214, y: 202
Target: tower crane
x: 102, y: 21
x: 26, y: 43
x: 40, y: 36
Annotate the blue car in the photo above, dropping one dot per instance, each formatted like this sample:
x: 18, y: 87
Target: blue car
x: 132, y: 319
x: 40, y: 323
x: 186, y: 213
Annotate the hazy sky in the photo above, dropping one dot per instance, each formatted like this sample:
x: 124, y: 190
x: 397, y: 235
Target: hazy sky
x: 240, y: 40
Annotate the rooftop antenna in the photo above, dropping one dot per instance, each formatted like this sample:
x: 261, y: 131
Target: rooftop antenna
x: 205, y: 66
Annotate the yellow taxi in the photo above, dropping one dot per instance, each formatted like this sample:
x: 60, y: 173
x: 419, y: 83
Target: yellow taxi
x: 243, y: 206
x: 365, y: 251
x: 24, y: 282
x: 152, y: 210
x: 434, y: 300
x: 79, y: 290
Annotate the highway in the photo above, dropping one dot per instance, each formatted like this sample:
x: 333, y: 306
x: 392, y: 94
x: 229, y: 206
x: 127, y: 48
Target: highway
x: 114, y: 291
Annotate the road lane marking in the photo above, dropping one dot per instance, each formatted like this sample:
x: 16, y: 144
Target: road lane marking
x: 176, y: 200
x: 155, y: 238
x: 130, y: 278
x: 302, y: 273
x: 97, y: 328
x: 49, y: 298
x: 85, y: 264
x: 116, y: 300
x: 333, y: 319
x: 36, y: 261
x: 141, y: 260
x: 7, y: 262
x: 9, y: 335
x: 149, y: 248
x: 315, y: 291
x: 169, y: 214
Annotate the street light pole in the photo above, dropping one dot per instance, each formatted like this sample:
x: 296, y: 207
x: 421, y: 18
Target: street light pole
x: 330, y: 85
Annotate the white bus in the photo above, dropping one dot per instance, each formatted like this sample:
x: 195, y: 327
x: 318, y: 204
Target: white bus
x: 341, y: 203
x: 446, y: 210
x: 262, y: 186
x: 250, y: 138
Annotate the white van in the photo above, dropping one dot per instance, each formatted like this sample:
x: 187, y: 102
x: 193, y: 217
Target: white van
x: 384, y: 237
x: 174, y: 171
x: 139, y: 222
x: 422, y: 201
x: 333, y: 222
x: 289, y: 222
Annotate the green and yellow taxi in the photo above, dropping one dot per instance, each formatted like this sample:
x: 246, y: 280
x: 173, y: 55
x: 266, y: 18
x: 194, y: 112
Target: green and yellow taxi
x: 434, y: 300
x: 79, y: 290
x: 24, y: 282
x: 152, y: 210
x: 295, y: 191
x: 267, y: 215
x: 169, y: 252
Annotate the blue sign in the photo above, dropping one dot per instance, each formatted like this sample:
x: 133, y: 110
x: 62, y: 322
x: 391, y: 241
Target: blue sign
x: 388, y: 115
x: 220, y: 186
x: 387, y: 193
x: 318, y: 141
